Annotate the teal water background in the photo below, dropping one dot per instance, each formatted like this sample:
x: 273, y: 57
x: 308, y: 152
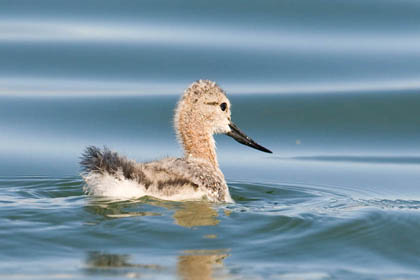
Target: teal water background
x: 331, y: 87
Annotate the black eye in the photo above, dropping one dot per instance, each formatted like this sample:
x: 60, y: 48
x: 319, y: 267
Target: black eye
x: 223, y: 106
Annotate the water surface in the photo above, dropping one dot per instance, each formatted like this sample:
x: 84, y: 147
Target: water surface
x: 332, y: 87
x: 338, y: 198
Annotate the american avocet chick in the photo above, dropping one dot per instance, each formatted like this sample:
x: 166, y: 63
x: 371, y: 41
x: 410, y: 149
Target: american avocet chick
x: 202, y: 111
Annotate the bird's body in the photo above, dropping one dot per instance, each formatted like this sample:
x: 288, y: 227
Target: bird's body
x: 202, y: 111
x: 168, y: 178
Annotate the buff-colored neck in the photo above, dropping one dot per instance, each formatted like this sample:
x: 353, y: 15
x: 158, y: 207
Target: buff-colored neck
x: 197, y: 141
x: 199, y: 144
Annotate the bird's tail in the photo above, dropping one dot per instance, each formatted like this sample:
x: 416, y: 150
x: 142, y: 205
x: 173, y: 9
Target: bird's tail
x: 105, y: 161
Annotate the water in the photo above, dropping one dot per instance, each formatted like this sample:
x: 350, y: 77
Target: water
x: 330, y: 87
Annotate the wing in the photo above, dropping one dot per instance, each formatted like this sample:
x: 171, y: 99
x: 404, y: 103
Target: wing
x: 177, y: 176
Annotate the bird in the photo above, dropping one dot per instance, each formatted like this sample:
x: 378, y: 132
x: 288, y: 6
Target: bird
x: 202, y: 111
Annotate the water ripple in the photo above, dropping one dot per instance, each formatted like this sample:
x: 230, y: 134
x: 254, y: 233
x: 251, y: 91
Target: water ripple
x: 298, y: 225
x: 363, y: 159
x: 210, y: 37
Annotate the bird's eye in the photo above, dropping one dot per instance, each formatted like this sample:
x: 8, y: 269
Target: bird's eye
x: 223, y: 106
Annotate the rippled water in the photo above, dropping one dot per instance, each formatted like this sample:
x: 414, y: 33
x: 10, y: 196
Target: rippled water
x: 332, y: 87
x: 338, y: 199
x: 276, y: 230
x: 149, y: 47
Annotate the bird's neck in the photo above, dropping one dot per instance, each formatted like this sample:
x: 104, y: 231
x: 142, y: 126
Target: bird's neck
x: 199, y: 144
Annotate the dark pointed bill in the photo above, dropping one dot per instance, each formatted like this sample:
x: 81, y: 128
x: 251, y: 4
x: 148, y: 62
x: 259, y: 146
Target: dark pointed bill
x: 242, y: 138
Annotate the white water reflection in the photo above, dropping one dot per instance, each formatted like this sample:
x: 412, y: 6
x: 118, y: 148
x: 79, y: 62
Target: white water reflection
x: 29, y: 86
x: 211, y: 36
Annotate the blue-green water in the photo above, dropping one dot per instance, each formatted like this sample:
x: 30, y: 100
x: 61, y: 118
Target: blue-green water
x: 331, y: 87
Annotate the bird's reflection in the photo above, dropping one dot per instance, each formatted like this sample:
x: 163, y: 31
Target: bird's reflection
x: 202, y: 264
x: 109, y: 209
x: 117, y: 265
x: 103, y: 260
x: 195, y: 214
x: 186, y: 214
x: 191, y: 264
